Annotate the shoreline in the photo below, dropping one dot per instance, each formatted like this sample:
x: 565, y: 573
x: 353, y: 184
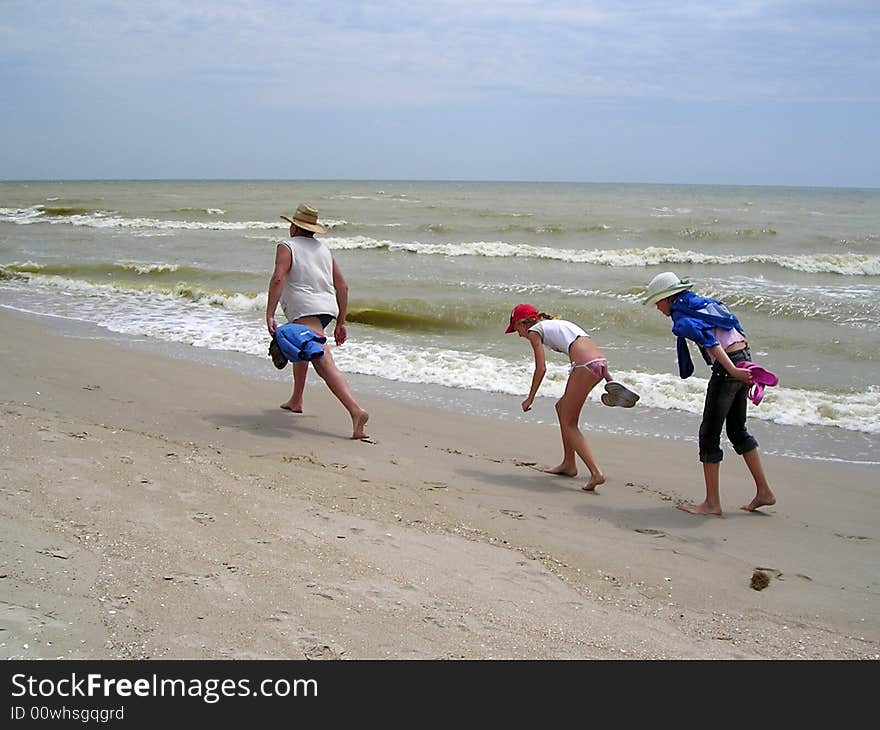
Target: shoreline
x: 805, y: 441
x: 164, y: 508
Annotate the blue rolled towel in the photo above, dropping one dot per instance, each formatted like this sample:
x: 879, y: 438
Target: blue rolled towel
x: 299, y: 343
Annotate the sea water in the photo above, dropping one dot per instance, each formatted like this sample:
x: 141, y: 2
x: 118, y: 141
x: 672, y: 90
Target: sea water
x: 434, y: 269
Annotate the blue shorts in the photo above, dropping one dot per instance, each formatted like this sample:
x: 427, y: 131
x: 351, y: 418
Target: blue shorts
x: 324, y: 319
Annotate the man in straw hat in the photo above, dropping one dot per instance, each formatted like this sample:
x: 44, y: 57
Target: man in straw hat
x: 722, y: 343
x: 312, y: 291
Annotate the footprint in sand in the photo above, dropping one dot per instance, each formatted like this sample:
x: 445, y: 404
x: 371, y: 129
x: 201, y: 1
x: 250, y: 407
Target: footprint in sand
x: 319, y: 651
x: 646, y: 488
x: 650, y: 531
x: 513, y: 513
x: 203, y: 518
x: 308, y: 458
x: 204, y: 579
x: 779, y: 575
x: 851, y: 537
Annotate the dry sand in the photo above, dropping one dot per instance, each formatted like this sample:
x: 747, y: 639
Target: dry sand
x: 159, y: 508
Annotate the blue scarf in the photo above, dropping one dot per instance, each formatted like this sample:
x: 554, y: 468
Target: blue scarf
x: 694, y: 318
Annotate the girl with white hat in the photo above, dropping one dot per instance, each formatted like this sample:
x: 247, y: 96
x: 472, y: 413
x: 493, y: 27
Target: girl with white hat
x: 722, y: 343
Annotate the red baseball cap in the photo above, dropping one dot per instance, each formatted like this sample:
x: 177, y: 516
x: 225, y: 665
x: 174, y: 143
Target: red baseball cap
x: 520, y: 311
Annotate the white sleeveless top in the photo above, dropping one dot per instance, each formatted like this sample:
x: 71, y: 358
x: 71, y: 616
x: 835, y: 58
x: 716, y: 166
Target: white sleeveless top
x: 308, y: 288
x: 557, y: 334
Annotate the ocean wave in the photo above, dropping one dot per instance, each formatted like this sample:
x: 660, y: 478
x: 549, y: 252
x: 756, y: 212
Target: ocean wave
x: 89, y: 280
x: 181, y: 290
x: 852, y: 306
x: 95, y: 270
x: 207, y: 211
x: 846, y: 264
x: 64, y: 211
x: 222, y: 320
x: 422, y: 318
x: 110, y: 219
x: 851, y: 411
x: 788, y: 406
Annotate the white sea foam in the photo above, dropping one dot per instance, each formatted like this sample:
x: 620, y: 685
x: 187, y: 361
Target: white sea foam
x: 173, y: 295
x: 147, y: 268
x: 848, y: 264
x: 108, y: 219
x: 788, y: 406
x: 232, y: 322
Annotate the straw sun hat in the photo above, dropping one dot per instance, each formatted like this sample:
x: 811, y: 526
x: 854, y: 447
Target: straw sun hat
x: 665, y: 285
x: 306, y: 217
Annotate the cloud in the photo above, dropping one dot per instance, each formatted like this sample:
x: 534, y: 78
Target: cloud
x: 509, y: 89
x: 413, y: 53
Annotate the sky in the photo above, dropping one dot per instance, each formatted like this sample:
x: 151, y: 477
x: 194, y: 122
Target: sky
x: 751, y: 92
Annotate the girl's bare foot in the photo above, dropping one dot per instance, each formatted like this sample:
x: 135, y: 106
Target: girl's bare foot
x: 595, y: 481
x: 562, y: 470
x: 291, y: 406
x: 761, y: 500
x: 359, y: 424
x: 701, y: 509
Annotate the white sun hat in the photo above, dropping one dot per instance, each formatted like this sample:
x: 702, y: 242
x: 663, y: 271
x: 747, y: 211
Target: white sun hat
x: 665, y: 285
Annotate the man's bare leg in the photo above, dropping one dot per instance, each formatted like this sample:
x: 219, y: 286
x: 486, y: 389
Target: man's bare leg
x: 300, y: 373
x: 326, y: 368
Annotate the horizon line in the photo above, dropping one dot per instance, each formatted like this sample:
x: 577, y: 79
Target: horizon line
x: 431, y: 180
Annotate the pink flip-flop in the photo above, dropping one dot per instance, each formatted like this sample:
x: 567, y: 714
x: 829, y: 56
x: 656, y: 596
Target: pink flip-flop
x: 761, y: 377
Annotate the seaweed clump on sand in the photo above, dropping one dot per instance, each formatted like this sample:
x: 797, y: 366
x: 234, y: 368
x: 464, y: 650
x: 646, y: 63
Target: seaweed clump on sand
x: 760, y: 580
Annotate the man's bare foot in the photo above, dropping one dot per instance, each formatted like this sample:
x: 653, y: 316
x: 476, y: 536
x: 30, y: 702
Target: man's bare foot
x: 594, y: 482
x: 359, y: 424
x: 562, y: 470
x: 700, y: 509
x: 761, y: 500
x: 291, y: 406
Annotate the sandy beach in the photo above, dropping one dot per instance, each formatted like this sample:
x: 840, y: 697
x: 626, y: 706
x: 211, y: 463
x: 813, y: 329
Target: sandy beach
x: 160, y: 508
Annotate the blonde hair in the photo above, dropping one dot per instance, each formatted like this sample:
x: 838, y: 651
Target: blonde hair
x: 541, y: 316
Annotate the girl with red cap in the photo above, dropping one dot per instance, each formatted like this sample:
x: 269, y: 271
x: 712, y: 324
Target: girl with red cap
x: 588, y: 368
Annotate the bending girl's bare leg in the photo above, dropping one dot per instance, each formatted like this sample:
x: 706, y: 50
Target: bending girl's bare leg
x: 568, y: 467
x: 300, y: 373
x: 568, y: 409
x: 326, y: 368
x: 712, y: 503
x: 764, y: 497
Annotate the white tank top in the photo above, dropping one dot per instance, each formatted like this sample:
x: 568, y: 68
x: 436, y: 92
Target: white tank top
x: 557, y: 334
x: 308, y: 288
